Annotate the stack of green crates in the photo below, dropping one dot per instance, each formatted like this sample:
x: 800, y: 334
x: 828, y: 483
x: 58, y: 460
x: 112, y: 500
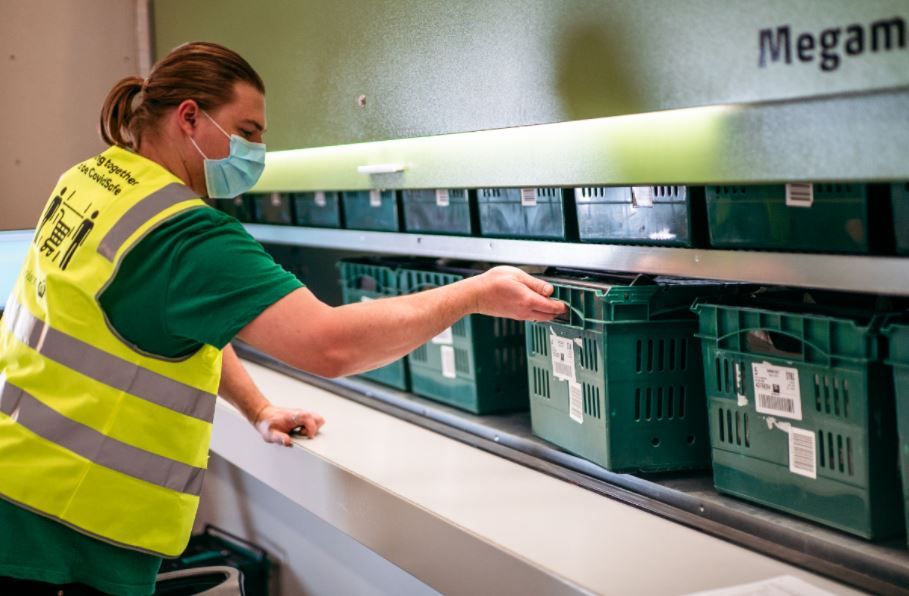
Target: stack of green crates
x: 317, y: 209
x: 836, y: 218
x: 801, y: 409
x: 271, y: 208
x: 535, y: 213
x: 238, y: 207
x: 371, y: 210
x: 657, y: 215
x: 478, y: 364
x: 899, y: 197
x: 899, y: 360
x: 618, y: 381
x: 439, y: 211
x: 371, y: 279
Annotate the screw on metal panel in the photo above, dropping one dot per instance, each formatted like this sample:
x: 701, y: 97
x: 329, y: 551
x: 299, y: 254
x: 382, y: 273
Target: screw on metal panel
x: 361, y: 101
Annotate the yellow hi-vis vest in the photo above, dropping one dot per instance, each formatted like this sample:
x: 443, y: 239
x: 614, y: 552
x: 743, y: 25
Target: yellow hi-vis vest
x: 94, y: 433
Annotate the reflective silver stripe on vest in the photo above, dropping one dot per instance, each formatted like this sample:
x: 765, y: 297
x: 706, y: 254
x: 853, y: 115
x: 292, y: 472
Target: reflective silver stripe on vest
x: 142, y: 212
x: 107, y: 368
x: 85, y: 441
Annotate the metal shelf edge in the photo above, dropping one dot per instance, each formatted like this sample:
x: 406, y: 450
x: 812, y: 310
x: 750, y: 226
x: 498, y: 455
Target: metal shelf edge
x: 877, y: 274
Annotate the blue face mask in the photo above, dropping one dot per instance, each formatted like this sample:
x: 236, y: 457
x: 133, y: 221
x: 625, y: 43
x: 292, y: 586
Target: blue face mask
x: 238, y: 172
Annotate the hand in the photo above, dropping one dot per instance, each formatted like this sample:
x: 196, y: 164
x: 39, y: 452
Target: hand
x: 513, y: 294
x: 275, y: 424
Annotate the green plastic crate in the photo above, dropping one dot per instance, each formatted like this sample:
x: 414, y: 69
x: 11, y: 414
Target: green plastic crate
x: 819, y: 440
x: 271, y: 208
x: 657, y: 215
x: 317, y: 209
x: 238, y: 207
x: 534, y: 213
x: 899, y: 193
x: 841, y: 218
x: 899, y: 360
x: 439, y: 211
x: 372, y: 279
x: 618, y: 381
x: 216, y: 547
x: 478, y: 365
x: 371, y: 210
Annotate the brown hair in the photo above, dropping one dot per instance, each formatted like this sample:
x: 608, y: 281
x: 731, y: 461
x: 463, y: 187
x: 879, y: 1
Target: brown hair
x: 205, y: 72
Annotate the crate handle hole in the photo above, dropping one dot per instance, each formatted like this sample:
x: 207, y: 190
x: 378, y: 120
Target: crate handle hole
x: 774, y: 344
x: 655, y: 441
x: 690, y: 440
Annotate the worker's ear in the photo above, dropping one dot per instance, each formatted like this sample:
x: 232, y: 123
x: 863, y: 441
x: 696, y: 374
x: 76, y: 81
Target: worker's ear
x: 187, y: 114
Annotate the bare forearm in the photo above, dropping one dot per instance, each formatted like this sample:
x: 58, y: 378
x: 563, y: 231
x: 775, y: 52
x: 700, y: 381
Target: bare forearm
x: 312, y: 336
x: 371, y: 334
x: 238, y: 388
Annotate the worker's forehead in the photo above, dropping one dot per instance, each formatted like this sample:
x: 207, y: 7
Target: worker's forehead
x: 248, y: 103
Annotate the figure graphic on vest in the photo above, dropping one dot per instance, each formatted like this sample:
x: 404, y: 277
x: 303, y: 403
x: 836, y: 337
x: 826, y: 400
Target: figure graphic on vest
x: 58, y: 234
x: 51, y: 211
x: 82, y: 231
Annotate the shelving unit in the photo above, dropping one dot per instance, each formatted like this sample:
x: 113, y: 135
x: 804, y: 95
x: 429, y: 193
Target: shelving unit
x: 686, y: 498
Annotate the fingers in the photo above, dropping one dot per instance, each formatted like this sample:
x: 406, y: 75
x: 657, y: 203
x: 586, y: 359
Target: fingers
x: 309, y: 422
x: 539, y: 286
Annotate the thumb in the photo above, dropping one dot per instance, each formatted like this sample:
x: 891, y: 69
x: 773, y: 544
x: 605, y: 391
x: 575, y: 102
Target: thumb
x: 271, y: 435
x: 539, y: 286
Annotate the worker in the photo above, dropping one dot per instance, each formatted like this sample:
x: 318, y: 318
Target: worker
x: 116, y: 338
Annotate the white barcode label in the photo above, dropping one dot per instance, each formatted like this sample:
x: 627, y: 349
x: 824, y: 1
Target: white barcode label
x: 442, y: 197
x: 776, y: 390
x: 562, y: 350
x: 375, y: 198
x: 642, y: 196
x: 802, y: 452
x: 448, y: 362
x: 528, y: 197
x: 320, y: 199
x: 575, y: 402
x: 799, y: 195
x: 446, y: 337
x: 366, y: 299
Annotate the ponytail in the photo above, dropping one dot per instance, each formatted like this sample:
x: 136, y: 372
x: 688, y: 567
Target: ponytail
x: 202, y: 71
x: 118, y: 112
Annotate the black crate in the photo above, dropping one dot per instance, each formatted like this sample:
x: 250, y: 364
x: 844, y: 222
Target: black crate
x: 214, y: 546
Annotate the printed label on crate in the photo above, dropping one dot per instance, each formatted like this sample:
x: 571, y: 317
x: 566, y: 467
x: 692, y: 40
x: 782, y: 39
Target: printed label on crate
x: 776, y: 390
x: 446, y: 337
x: 375, y: 198
x: 528, y: 197
x: 366, y: 299
x: 642, y: 196
x: 320, y: 199
x: 448, y: 362
x: 799, y: 195
x: 575, y: 402
x: 802, y: 452
x: 442, y: 197
x: 562, y: 350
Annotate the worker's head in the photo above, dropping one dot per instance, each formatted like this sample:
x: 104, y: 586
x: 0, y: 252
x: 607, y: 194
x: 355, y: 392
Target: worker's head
x: 192, y: 102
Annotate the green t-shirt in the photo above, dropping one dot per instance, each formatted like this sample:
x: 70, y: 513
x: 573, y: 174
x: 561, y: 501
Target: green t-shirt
x: 197, y: 279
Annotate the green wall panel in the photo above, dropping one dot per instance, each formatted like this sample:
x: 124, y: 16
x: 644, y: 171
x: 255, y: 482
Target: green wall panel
x: 429, y: 67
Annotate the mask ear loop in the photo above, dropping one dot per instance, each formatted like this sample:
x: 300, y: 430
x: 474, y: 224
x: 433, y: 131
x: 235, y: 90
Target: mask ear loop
x: 193, y: 141
x: 224, y: 132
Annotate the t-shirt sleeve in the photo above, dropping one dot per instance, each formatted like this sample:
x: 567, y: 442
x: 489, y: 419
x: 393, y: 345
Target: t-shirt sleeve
x: 221, y: 279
